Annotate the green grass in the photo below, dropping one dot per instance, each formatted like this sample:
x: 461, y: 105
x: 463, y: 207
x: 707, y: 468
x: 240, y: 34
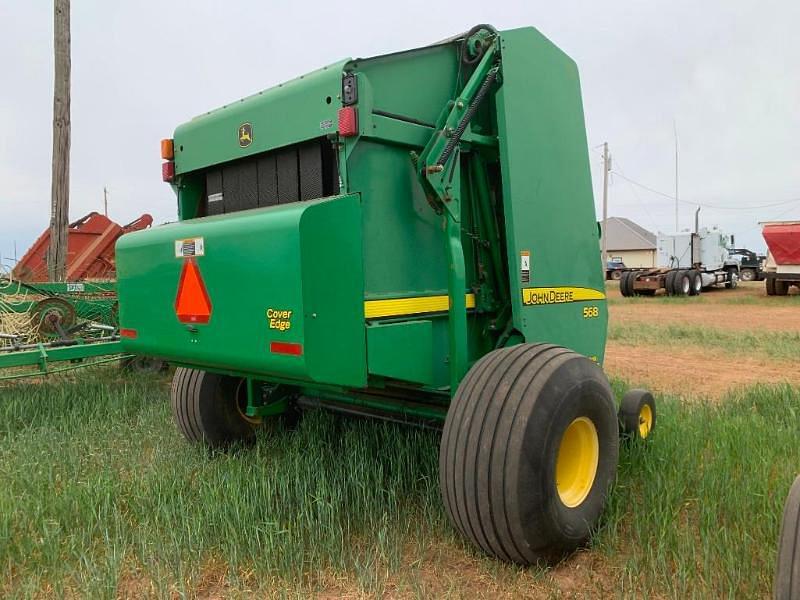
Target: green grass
x: 98, y: 490
x: 775, y: 344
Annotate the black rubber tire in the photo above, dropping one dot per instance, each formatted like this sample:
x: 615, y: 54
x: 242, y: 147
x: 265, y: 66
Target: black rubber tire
x: 787, y: 572
x: 631, y: 411
x: 632, y: 277
x: 624, y: 284
x: 501, y: 438
x: 769, y: 283
x: 781, y: 287
x: 616, y: 275
x: 669, y: 280
x: 204, y: 406
x: 733, y: 280
x: 679, y: 283
x: 143, y: 365
x: 748, y: 274
x: 695, y: 283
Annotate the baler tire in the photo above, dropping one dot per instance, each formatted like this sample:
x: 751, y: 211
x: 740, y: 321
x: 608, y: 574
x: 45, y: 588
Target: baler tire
x: 637, y: 414
x: 502, y: 447
x: 669, y: 282
x: 787, y: 571
x: 205, y: 410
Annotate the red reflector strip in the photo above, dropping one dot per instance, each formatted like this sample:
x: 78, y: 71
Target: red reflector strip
x: 348, y: 121
x: 291, y: 348
x: 131, y: 334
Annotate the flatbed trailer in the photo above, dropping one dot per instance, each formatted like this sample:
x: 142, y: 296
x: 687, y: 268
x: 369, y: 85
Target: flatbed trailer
x: 674, y: 282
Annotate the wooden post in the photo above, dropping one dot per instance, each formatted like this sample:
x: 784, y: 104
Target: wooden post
x: 59, y: 191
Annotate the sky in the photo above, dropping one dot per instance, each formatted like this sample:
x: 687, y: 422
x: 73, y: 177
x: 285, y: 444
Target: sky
x: 724, y: 75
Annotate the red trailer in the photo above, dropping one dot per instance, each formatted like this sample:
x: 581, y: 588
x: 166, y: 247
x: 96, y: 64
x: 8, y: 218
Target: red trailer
x: 90, y: 249
x: 782, y: 268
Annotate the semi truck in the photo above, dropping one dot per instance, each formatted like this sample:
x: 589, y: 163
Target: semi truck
x: 689, y: 262
x: 782, y: 267
x: 409, y: 237
x: 751, y: 264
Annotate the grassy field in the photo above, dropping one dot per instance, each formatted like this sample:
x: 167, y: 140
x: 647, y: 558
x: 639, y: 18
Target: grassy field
x: 101, y: 497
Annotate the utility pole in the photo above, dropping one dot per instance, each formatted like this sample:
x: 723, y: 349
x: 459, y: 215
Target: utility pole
x: 606, y: 169
x: 105, y: 200
x: 59, y: 185
x: 675, y: 130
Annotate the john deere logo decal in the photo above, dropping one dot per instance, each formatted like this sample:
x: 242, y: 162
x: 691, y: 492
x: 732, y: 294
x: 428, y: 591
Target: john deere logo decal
x: 245, y: 135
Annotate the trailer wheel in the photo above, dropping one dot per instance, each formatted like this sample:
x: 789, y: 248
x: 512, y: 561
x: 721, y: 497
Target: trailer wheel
x: 787, y: 573
x: 528, y: 451
x: 207, y: 408
x: 748, y: 275
x: 680, y: 283
x: 781, y: 287
x: 695, y: 283
x: 669, y: 281
x: 637, y: 414
x: 626, y: 284
x: 616, y: 275
x: 769, y: 283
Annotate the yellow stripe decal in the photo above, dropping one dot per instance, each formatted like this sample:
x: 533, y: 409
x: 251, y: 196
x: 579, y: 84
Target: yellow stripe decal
x: 559, y: 295
x: 396, y: 307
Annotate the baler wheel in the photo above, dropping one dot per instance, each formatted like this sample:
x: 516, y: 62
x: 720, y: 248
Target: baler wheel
x: 529, y: 449
x: 206, y: 408
x: 637, y: 414
x: 787, y: 573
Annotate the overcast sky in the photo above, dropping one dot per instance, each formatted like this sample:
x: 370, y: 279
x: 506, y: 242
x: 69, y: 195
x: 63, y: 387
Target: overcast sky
x: 725, y: 73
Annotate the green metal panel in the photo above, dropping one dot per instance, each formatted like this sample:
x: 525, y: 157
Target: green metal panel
x: 547, y: 193
x: 302, y: 257
x: 401, y: 351
x: 300, y: 109
x: 519, y: 182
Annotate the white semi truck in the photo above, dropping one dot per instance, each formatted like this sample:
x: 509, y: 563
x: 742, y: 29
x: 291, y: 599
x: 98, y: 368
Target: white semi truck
x: 689, y: 262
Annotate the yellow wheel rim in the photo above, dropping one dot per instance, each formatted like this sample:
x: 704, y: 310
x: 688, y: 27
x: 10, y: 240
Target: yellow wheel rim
x: 576, y: 465
x: 645, y: 421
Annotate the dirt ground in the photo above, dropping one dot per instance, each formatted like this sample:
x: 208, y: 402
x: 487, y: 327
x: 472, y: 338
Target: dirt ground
x: 664, y: 368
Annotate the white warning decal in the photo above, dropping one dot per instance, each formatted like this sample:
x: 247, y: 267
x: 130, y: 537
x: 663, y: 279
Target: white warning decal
x: 189, y: 247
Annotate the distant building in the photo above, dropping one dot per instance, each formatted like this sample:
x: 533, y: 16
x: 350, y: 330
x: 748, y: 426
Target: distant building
x: 630, y: 243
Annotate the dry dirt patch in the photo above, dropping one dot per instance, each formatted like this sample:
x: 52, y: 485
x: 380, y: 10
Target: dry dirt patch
x: 693, y: 371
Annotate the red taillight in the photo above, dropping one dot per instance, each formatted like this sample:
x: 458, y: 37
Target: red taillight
x: 291, y: 348
x: 348, y: 121
x: 168, y: 171
x: 131, y: 334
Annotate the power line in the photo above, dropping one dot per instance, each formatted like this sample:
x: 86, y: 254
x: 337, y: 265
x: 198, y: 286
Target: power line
x: 711, y: 206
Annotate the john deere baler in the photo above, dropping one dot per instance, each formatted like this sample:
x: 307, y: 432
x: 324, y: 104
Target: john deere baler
x: 410, y: 236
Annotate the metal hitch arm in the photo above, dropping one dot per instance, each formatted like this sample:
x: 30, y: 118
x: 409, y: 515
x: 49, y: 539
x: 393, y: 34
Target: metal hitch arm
x: 439, y: 171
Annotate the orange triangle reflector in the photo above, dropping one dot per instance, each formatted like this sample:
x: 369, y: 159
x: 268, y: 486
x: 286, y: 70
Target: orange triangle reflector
x: 192, y: 304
